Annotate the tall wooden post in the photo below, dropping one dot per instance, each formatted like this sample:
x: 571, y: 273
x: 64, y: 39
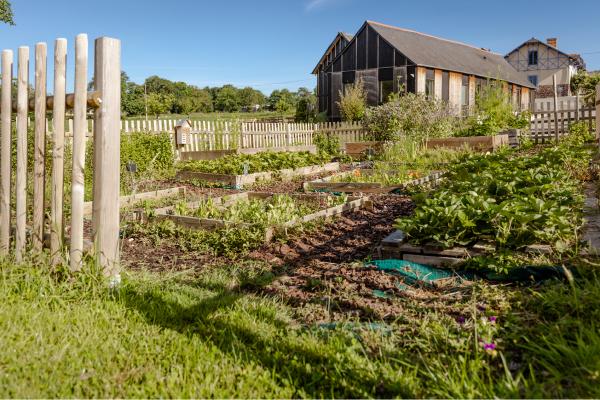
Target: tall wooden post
x: 107, y: 78
x: 21, y: 176
x: 5, y: 150
x: 555, y: 107
x: 598, y: 112
x: 39, y: 147
x: 58, y: 151
x: 79, y: 131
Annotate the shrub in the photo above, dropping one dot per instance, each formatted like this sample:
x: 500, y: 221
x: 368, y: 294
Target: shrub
x: 353, y: 103
x: 411, y: 115
x: 493, y: 113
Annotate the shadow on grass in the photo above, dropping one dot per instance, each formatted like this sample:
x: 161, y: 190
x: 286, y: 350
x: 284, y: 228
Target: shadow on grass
x: 315, y: 368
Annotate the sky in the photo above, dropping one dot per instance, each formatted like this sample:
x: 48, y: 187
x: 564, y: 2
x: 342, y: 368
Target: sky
x: 274, y: 44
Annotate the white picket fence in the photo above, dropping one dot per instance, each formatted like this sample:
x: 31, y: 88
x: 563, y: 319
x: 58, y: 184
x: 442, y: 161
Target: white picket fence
x: 225, y: 135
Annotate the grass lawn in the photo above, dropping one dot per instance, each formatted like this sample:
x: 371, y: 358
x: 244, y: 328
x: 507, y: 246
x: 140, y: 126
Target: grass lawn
x: 212, y: 334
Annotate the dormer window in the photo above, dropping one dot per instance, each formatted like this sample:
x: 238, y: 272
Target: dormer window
x: 533, y: 57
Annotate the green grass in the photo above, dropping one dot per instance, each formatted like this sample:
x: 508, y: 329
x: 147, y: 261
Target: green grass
x: 205, y: 335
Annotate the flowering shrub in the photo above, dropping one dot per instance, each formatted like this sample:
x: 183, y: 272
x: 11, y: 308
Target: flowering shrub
x: 411, y: 115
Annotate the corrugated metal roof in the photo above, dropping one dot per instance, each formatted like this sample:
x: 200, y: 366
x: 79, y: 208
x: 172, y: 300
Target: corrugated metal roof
x: 434, y: 52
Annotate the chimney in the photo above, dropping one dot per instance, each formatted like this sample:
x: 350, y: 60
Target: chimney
x: 552, y: 42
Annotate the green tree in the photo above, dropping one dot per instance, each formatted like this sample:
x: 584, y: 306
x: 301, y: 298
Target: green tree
x: 6, y: 14
x: 159, y: 103
x: 281, y: 100
x: 586, y: 82
x: 228, y: 99
x: 250, y: 97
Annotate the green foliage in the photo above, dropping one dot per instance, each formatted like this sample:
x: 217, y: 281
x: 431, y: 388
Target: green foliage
x: 152, y: 154
x: 159, y: 103
x: 227, y: 99
x: 306, y: 106
x: 281, y: 100
x: 353, y: 103
x: 585, y: 83
x: 579, y: 133
x: 511, y: 200
x: 261, y: 162
x: 248, y: 221
x: 328, y: 145
x: 411, y: 115
x: 6, y: 14
x: 493, y: 113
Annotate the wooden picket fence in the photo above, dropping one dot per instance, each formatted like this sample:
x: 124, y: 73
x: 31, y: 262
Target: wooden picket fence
x: 545, y: 121
x: 227, y: 135
x: 105, y: 101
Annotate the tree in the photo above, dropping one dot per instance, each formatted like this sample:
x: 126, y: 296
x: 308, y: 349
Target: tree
x: 586, y: 82
x: 250, y: 97
x: 228, y: 99
x: 6, y: 14
x: 281, y: 100
x: 159, y: 103
x: 353, y: 103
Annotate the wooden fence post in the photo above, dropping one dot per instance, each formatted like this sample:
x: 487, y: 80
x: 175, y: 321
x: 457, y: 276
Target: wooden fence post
x: 555, y: 108
x: 58, y: 151
x: 21, y: 175
x: 5, y: 151
x: 79, y: 131
x: 598, y: 111
x: 39, y: 148
x: 107, y: 141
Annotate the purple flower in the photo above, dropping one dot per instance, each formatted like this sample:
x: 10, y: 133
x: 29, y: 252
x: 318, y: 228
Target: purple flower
x: 460, y: 320
x: 489, y: 346
x: 493, y: 319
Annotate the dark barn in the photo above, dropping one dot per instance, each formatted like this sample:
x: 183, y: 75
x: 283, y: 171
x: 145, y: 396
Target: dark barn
x: 389, y: 59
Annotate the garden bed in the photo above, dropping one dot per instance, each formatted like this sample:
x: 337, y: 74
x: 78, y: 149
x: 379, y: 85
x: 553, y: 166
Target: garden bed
x: 239, y: 181
x: 217, y: 213
x: 132, y: 199
x: 479, y: 143
x: 349, y: 182
x: 215, y: 154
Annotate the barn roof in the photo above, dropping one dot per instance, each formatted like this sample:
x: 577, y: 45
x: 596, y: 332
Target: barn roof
x: 434, y: 52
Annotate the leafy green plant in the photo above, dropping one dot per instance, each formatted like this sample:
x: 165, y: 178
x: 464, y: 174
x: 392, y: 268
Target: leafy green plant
x: 265, y: 161
x: 505, y: 198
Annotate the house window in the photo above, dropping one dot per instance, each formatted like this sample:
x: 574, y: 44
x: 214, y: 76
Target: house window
x: 533, y: 57
x: 464, y: 91
x: 385, y: 89
x: 430, y: 84
x: 533, y: 79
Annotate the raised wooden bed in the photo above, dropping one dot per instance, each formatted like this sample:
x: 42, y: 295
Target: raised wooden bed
x: 239, y: 181
x: 479, y: 143
x: 326, y: 184
x: 358, y: 150
x: 166, y: 213
x: 396, y: 246
x: 214, y: 154
x: 125, y: 201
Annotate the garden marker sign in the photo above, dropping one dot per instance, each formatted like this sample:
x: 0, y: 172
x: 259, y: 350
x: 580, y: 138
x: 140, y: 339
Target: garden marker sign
x: 106, y: 103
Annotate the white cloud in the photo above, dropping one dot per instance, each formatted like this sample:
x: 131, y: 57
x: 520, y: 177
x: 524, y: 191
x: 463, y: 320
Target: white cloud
x: 314, y: 4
